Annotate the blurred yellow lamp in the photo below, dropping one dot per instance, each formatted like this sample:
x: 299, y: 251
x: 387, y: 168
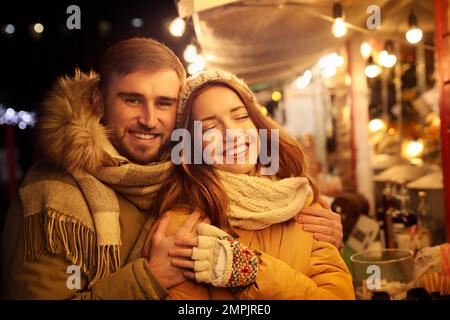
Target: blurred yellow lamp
x: 414, y: 149
x: 376, y: 125
x: 264, y: 111
x: 276, y: 96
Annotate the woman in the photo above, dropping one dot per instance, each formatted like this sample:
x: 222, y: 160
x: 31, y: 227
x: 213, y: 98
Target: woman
x: 253, y: 248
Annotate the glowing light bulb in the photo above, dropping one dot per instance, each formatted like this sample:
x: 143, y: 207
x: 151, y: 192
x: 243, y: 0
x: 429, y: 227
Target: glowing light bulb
x: 177, y: 27
x: 38, y: 28
x: 339, y: 28
x: 137, y: 22
x: 414, y: 149
x: 190, y: 53
x: 198, y: 65
x: 366, y: 49
x: 372, y: 70
x: 328, y: 72
x: 332, y: 60
x: 414, y: 35
x: 10, y: 29
x: 264, y: 111
x: 387, y: 60
x: 376, y: 125
x: 276, y: 96
x: 304, y: 80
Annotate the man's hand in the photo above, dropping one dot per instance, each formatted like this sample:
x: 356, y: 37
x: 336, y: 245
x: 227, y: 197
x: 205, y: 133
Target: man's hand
x: 323, y: 223
x: 159, y: 260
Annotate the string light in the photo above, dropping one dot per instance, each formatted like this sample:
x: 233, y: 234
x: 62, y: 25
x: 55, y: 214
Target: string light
x: 376, y: 125
x: 9, y: 116
x: 328, y: 72
x: 304, y: 80
x: 414, y: 34
x: 372, y: 70
x: 190, y: 53
x: 38, y: 28
x: 413, y: 149
x: 339, y: 28
x: 137, y: 22
x: 276, y: 96
x: 329, y: 64
x: 177, y: 27
x: 198, y: 65
x: 385, y: 58
x: 264, y: 111
x: 332, y: 60
x: 366, y: 49
x: 9, y: 29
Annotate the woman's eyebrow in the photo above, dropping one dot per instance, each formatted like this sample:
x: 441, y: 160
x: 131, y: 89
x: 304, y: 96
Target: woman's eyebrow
x: 231, y: 110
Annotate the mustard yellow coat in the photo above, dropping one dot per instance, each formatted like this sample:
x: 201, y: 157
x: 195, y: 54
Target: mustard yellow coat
x: 46, y: 277
x: 293, y: 265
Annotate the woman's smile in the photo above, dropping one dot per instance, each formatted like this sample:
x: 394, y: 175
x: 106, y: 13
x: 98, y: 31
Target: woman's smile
x: 238, y: 151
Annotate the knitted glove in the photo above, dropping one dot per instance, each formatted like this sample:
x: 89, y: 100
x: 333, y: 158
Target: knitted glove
x: 221, y: 260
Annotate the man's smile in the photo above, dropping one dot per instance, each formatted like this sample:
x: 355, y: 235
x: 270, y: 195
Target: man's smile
x: 144, y: 136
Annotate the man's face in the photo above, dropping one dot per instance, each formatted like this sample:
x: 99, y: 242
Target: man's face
x: 140, y: 108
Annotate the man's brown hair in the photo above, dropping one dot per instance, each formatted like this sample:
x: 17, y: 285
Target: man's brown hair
x: 135, y: 54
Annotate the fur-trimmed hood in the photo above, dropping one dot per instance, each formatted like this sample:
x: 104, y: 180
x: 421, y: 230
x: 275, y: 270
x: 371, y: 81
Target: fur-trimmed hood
x: 70, y: 134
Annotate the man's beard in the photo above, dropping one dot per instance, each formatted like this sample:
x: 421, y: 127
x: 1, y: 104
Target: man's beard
x: 138, y: 154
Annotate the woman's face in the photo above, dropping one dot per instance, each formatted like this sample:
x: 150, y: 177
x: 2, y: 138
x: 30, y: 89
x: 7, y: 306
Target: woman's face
x: 228, y: 132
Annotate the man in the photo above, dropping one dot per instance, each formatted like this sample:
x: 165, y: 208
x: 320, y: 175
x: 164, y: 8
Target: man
x: 72, y: 228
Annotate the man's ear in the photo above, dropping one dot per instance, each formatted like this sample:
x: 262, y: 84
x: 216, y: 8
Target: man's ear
x: 98, y: 103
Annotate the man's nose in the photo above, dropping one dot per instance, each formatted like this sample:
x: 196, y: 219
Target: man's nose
x: 149, y: 116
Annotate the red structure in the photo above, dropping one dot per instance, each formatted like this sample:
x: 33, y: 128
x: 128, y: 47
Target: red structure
x: 441, y: 9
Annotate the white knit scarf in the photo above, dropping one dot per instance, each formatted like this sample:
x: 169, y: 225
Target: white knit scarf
x: 258, y: 202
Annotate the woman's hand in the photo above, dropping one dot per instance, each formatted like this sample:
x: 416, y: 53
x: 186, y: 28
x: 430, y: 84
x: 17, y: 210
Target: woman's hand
x: 323, y: 223
x: 218, y: 259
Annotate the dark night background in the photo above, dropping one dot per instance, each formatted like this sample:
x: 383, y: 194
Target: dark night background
x: 29, y: 65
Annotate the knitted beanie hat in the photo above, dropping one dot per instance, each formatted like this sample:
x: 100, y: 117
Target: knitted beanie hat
x: 195, y: 81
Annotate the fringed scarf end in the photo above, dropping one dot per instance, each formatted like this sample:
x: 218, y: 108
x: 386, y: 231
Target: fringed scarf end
x: 65, y: 236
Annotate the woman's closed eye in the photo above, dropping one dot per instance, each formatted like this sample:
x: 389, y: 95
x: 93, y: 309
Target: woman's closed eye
x: 241, y: 117
x: 210, y: 127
